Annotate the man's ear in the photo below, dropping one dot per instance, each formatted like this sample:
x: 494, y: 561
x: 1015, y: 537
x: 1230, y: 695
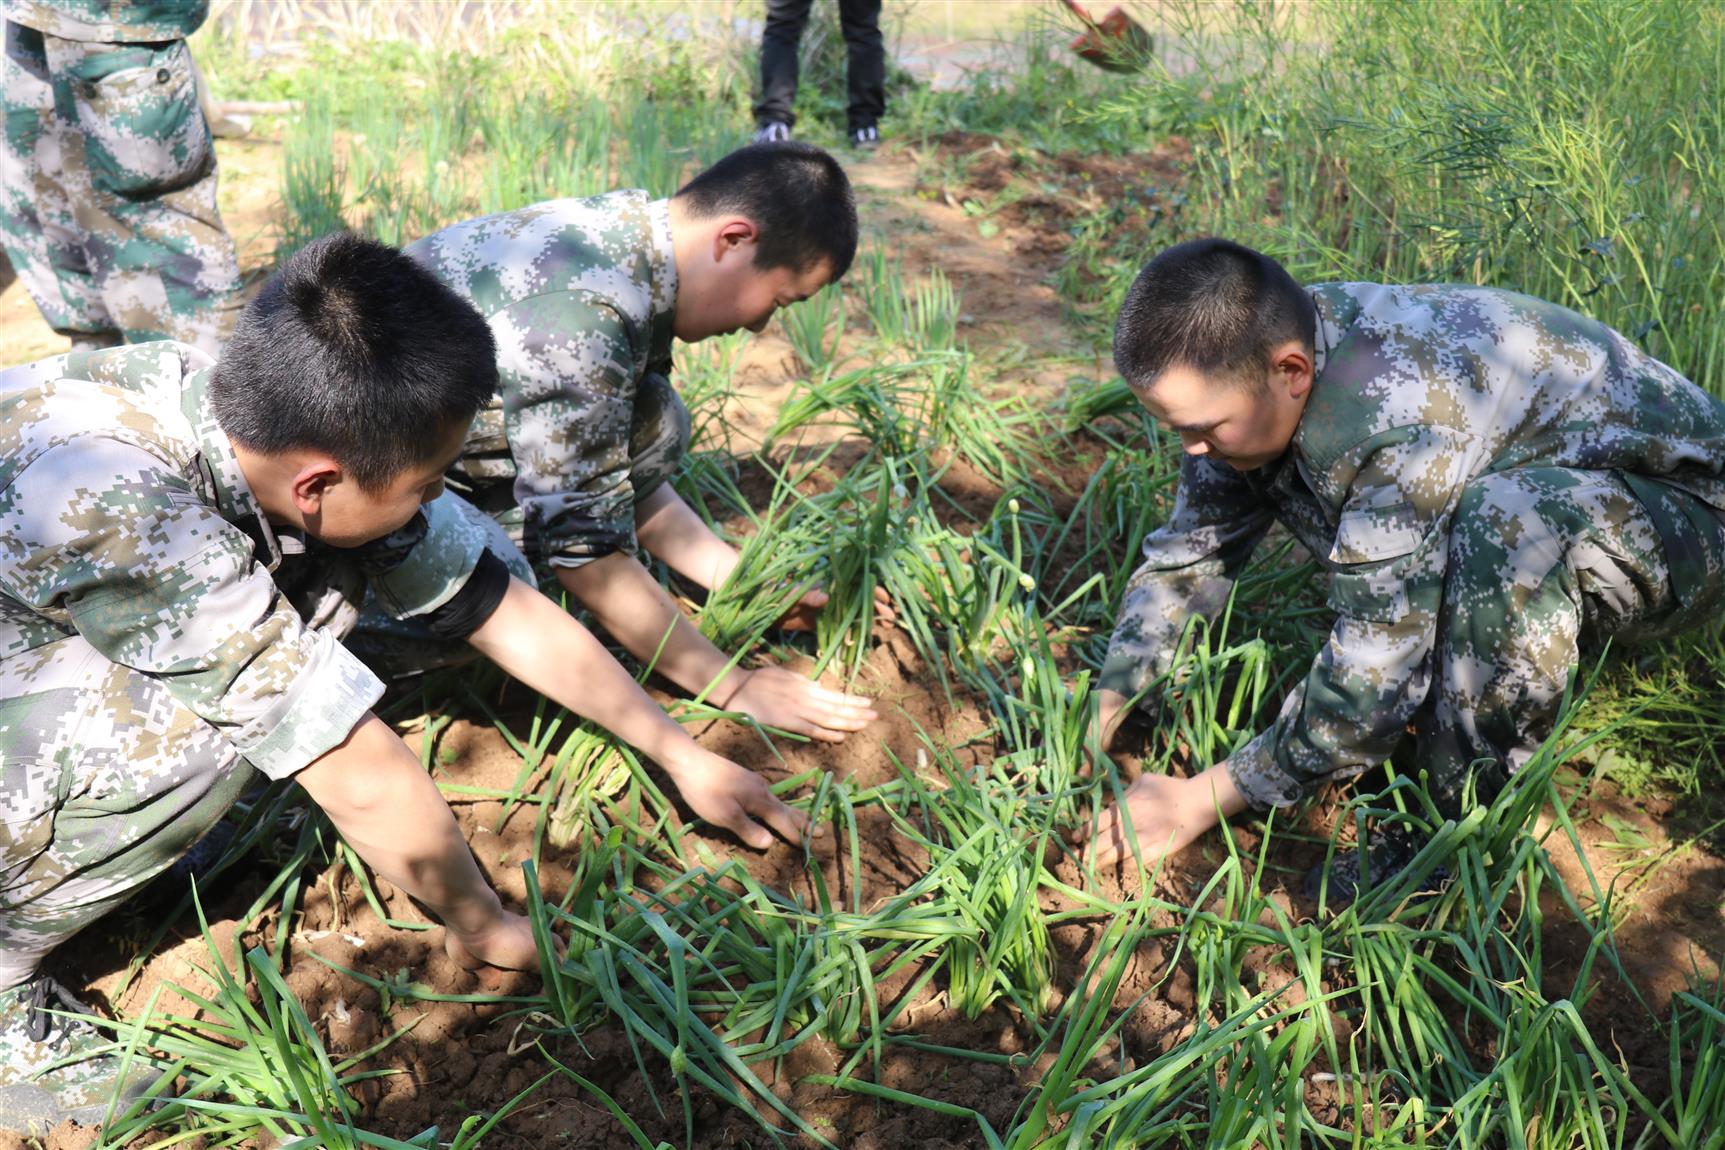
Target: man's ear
x: 312, y: 482
x: 735, y: 236
x: 1293, y: 366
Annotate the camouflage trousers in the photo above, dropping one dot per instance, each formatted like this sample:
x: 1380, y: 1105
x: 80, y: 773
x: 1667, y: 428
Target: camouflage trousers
x: 1541, y: 561
x: 108, y: 191
x: 105, y: 781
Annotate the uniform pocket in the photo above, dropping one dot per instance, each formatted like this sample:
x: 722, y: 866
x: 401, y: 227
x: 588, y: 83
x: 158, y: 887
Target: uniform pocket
x: 138, y: 107
x: 1374, y: 534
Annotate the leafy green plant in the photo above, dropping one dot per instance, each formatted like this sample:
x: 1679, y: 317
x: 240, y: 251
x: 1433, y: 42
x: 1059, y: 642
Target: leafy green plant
x: 921, y: 318
x: 815, y: 328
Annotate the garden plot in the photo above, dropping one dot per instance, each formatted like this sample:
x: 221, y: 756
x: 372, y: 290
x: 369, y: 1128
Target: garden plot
x: 940, y: 969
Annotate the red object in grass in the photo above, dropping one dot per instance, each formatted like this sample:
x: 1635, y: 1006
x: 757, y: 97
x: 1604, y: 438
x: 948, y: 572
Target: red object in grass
x: 1116, y: 42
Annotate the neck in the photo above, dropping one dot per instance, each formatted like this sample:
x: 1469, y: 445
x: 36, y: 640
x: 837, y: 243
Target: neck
x: 688, y: 240
x: 270, y: 478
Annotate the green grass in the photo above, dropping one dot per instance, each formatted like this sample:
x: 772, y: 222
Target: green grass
x: 1569, y: 153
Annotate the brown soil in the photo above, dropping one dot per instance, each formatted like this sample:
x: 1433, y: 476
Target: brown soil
x: 460, y: 1059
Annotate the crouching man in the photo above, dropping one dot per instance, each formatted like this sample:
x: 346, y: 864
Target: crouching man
x: 1489, y: 480
x: 182, y: 547
x: 574, y: 457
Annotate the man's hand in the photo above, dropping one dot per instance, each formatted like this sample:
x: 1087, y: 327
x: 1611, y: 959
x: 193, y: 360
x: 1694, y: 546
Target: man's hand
x: 732, y: 797
x: 505, y: 941
x: 775, y: 697
x: 805, y: 611
x: 1165, y: 814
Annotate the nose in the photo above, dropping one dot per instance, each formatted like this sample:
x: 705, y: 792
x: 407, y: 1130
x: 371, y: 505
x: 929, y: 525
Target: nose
x: 431, y: 492
x: 760, y: 325
x: 1194, y: 444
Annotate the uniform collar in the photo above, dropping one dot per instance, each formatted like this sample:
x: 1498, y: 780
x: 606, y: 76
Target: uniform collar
x: 221, y: 467
x: 1324, y: 331
x: 1324, y: 334
x: 662, y: 268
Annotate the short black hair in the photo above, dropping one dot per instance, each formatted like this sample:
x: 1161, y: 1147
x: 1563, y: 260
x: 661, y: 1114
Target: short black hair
x: 1211, y: 305
x: 354, y: 349
x: 796, y: 194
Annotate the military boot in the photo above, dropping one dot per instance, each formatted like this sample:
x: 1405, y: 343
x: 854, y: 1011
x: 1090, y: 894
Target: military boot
x: 53, y: 1066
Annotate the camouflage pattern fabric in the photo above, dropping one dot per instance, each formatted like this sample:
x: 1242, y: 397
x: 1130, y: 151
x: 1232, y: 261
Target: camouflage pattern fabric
x: 33, y: 1102
x: 107, y: 780
x: 108, y: 190
x: 396, y: 645
x: 1542, y: 559
x: 580, y: 295
x: 158, y: 638
x: 116, y: 21
x: 1425, y: 398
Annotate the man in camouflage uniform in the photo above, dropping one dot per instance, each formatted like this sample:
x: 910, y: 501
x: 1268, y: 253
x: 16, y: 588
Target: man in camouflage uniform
x: 182, y: 547
x: 575, y: 455
x: 1487, y: 478
x: 108, y: 175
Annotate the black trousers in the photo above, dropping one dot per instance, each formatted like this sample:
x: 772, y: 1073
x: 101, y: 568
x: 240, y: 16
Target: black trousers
x: 859, y: 20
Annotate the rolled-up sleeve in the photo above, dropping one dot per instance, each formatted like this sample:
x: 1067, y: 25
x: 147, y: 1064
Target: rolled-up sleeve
x: 419, y: 568
x: 568, y: 371
x: 1375, y: 671
x: 1190, y: 564
x: 157, y: 581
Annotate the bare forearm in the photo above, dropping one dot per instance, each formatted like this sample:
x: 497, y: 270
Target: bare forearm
x: 630, y: 604
x: 1216, y: 789
x: 387, y: 808
x: 544, y: 647
x: 670, y: 529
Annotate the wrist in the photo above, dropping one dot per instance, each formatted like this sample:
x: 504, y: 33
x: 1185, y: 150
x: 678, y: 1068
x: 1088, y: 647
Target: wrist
x: 1110, y: 713
x: 688, y: 762
x: 473, y: 915
x: 728, y: 686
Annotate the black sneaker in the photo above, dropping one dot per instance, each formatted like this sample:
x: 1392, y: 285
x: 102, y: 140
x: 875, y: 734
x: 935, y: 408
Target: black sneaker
x: 54, y: 1067
x: 772, y: 132
x: 866, y: 138
x: 1388, y: 853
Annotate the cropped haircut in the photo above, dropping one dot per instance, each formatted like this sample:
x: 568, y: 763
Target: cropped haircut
x: 353, y: 349
x: 1213, y: 306
x: 797, y: 196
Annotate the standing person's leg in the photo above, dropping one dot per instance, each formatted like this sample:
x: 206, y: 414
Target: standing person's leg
x: 865, y: 71
x: 784, y: 31
x: 105, y: 781
x: 38, y: 228
x: 141, y: 170
x: 1541, y: 559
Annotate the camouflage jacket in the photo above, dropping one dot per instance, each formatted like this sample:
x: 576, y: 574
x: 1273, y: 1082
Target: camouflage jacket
x: 1418, y: 390
x: 580, y: 295
x: 112, y: 21
x: 125, y: 519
